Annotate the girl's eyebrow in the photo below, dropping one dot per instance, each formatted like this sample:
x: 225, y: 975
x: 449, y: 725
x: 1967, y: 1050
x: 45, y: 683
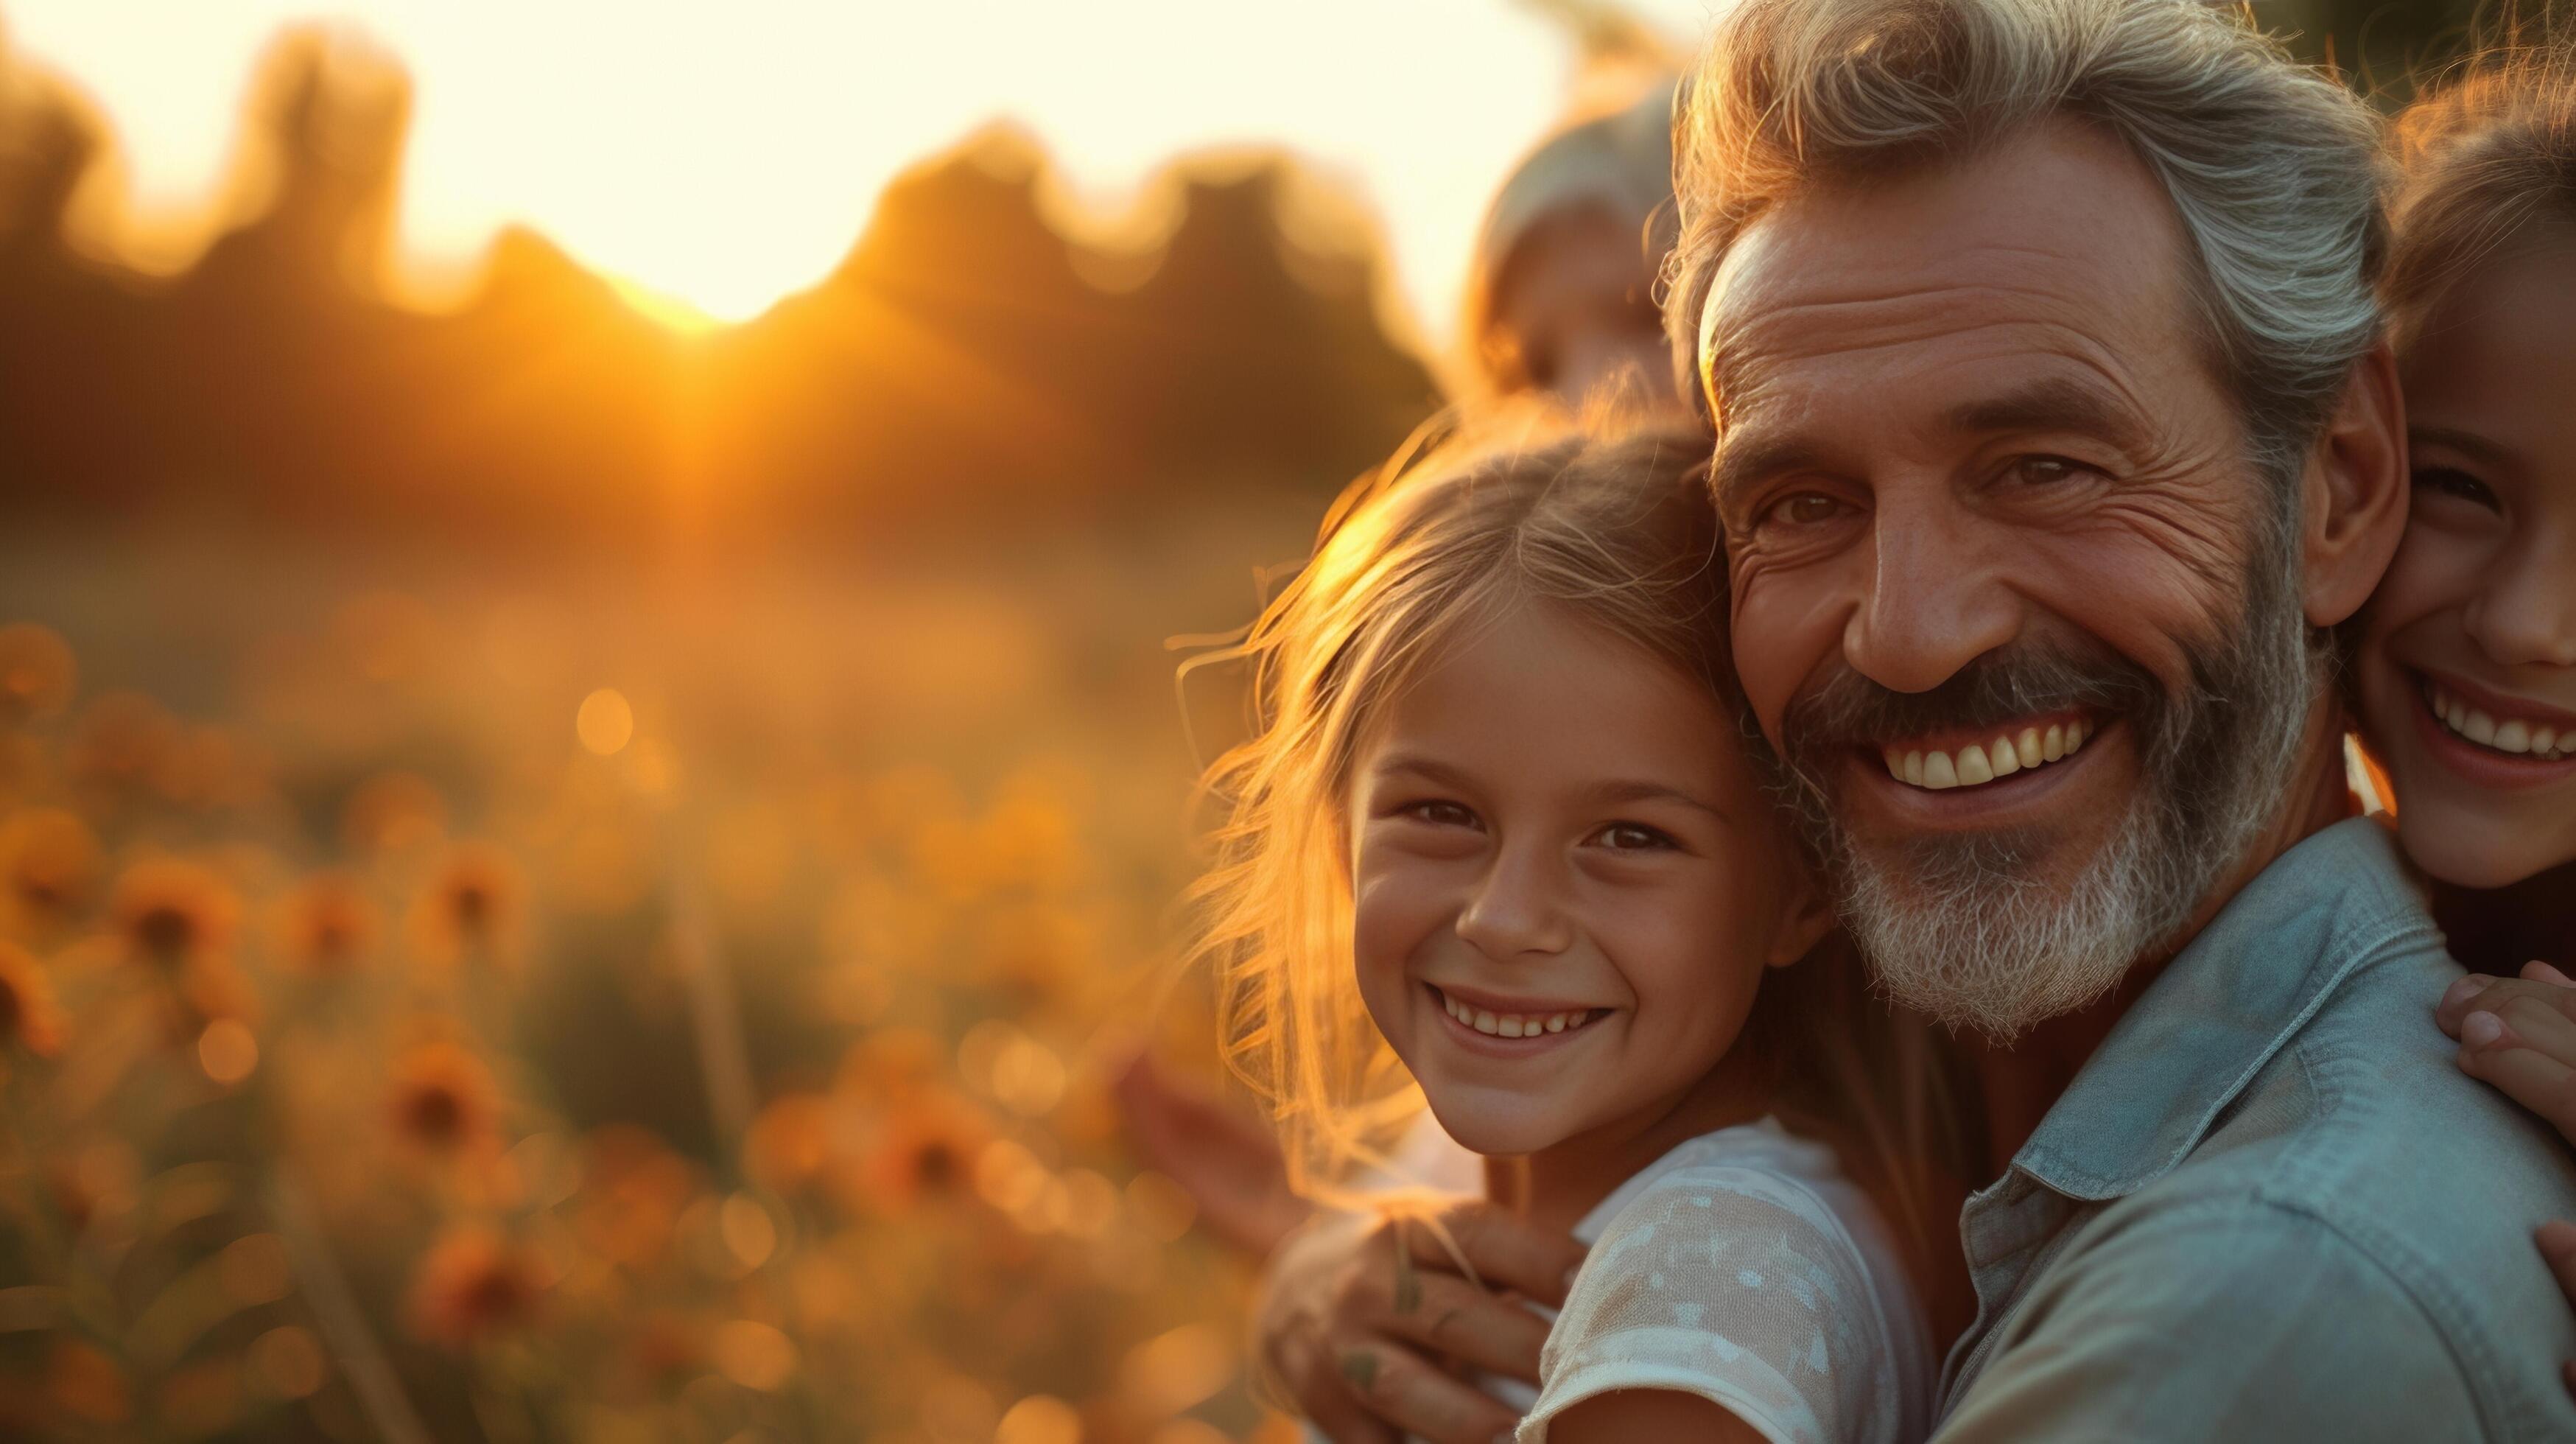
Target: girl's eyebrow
x: 1654, y: 791
x: 1421, y: 766
x: 1618, y: 790
x: 2468, y: 442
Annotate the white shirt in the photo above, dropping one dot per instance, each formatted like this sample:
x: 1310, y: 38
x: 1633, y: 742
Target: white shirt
x: 1743, y: 1267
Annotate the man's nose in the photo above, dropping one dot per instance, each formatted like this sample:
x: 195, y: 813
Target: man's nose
x: 2525, y: 615
x: 1933, y: 602
x: 1518, y: 908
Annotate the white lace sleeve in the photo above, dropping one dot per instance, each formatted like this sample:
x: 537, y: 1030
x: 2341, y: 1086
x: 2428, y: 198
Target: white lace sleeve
x: 1741, y: 1286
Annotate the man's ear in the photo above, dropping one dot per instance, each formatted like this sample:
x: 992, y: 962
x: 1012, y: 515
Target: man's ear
x: 2356, y: 492
x: 1804, y: 920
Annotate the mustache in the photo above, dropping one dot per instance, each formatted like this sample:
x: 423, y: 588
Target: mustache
x: 1849, y: 710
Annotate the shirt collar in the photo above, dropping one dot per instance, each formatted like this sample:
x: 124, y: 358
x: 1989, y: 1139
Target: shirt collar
x: 2222, y: 1008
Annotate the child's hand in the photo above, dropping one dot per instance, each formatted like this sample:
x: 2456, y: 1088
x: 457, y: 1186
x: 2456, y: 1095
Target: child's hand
x: 2520, y: 1036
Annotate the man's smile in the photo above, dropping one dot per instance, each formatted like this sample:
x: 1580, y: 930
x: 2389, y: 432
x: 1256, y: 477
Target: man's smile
x: 1960, y: 789
x: 1939, y: 762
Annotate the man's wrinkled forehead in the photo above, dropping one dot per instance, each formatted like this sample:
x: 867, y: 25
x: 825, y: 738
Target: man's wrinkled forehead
x: 2060, y: 240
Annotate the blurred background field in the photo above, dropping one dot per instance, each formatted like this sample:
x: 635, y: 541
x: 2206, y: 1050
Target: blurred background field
x: 570, y: 871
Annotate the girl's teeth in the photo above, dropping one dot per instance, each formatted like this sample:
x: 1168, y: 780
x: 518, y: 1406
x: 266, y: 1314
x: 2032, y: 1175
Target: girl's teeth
x: 1514, y: 1025
x: 2512, y: 736
x: 1974, y: 766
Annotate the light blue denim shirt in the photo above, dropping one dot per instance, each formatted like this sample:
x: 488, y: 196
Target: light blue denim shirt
x: 2269, y: 1207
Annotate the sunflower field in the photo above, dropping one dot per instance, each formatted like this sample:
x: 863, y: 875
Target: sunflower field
x: 642, y: 1002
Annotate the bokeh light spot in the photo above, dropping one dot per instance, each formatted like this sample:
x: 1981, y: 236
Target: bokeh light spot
x: 605, y: 722
x: 1161, y: 1207
x: 1177, y: 1370
x: 287, y: 1361
x: 748, y: 1231
x: 1040, y: 1419
x: 227, y: 1051
x: 753, y: 1354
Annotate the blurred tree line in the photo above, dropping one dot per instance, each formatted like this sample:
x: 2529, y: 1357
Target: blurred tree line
x: 958, y: 365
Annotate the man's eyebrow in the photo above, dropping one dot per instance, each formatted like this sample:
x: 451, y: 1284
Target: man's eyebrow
x: 2467, y: 442
x: 2053, y: 403
x: 1743, y: 462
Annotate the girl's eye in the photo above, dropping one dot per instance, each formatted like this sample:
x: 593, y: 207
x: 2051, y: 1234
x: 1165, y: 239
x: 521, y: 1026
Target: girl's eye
x: 1439, y: 814
x: 1634, y: 837
x: 2451, y: 481
x: 1807, y: 508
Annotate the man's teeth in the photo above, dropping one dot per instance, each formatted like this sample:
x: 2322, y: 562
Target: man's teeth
x: 1515, y: 1025
x: 2514, y: 735
x: 1975, y: 766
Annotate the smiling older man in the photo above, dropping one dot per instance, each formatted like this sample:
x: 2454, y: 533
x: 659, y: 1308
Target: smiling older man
x: 2054, y: 430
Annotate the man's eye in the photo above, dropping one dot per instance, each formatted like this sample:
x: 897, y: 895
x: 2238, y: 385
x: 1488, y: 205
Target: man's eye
x: 1634, y: 837
x: 2046, y: 470
x: 2451, y: 481
x: 1807, y: 508
x: 1439, y: 814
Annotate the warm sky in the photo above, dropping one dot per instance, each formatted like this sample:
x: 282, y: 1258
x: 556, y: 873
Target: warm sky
x: 725, y: 152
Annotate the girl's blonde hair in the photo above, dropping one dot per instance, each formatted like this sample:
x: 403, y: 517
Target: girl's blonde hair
x: 1617, y: 532
x: 2487, y: 153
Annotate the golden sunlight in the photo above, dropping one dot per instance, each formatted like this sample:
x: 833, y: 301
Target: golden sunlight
x: 718, y: 158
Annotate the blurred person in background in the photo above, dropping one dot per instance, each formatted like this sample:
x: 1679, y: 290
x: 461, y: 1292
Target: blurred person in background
x: 1562, y: 298
x: 1560, y: 308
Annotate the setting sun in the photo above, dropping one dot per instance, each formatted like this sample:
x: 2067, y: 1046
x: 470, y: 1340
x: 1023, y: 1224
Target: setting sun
x: 722, y: 157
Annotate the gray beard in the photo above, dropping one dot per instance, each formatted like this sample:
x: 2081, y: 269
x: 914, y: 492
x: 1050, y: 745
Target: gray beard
x: 1987, y: 932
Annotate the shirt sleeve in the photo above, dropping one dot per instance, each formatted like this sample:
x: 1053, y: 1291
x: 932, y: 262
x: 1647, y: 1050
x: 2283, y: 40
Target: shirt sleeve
x: 2244, y: 1321
x: 1736, y: 1285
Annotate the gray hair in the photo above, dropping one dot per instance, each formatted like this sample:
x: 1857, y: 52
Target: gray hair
x: 2274, y: 169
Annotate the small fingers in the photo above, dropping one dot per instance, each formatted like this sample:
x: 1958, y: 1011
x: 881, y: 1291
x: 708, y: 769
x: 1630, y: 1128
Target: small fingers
x: 2539, y: 1024
x: 2557, y: 1240
x: 2479, y: 993
x: 1505, y: 1252
x: 1454, y: 1317
x: 2539, y: 972
x: 1405, y: 1390
x: 2527, y: 1075
x: 2460, y: 1000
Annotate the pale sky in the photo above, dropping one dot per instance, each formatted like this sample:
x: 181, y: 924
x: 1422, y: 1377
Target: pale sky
x: 727, y: 152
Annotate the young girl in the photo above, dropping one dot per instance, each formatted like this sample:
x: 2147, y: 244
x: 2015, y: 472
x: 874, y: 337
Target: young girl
x: 1497, y: 848
x: 2466, y: 668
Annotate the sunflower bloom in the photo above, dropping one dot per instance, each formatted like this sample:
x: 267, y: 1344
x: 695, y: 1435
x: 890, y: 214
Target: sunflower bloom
x: 473, y: 1284
x: 48, y: 863
x: 443, y: 1100
x: 471, y: 908
x: 172, y: 914
x: 924, y: 1153
x: 327, y: 926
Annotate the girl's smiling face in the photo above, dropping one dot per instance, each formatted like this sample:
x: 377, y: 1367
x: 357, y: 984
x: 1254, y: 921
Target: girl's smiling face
x: 1566, y: 881
x: 2467, y: 666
